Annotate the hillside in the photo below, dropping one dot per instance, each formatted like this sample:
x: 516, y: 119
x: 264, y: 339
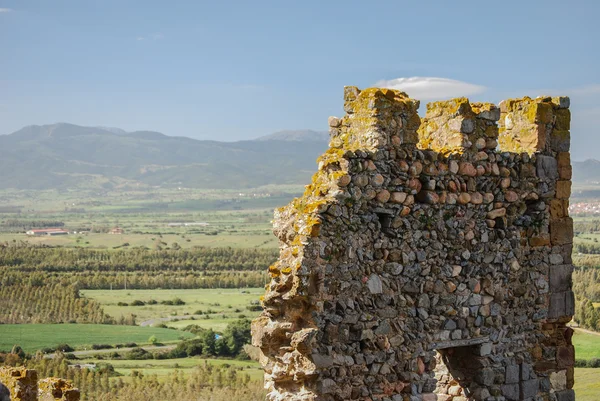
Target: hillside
x: 70, y: 156
x: 587, y: 171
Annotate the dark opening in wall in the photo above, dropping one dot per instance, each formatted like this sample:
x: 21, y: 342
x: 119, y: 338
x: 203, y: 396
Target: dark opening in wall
x: 385, y: 220
x: 461, y: 372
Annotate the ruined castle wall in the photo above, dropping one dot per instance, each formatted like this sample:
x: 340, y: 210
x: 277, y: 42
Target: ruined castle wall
x: 423, y: 262
x: 20, y: 384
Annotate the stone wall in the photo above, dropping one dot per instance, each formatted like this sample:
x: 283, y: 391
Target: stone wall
x: 429, y: 259
x: 20, y: 384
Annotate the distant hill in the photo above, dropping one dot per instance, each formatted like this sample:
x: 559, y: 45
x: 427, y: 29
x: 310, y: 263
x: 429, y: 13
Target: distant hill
x: 69, y: 156
x: 587, y: 171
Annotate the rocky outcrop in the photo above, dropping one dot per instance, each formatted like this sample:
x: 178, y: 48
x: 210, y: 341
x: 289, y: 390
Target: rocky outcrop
x: 429, y: 259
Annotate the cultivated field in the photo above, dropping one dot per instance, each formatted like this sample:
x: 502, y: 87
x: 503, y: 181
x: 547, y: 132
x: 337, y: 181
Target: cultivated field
x: 32, y: 337
x: 211, y: 308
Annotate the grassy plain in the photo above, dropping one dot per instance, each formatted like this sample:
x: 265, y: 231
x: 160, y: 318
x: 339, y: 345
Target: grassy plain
x: 150, y: 218
x: 587, y: 346
x: 218, y: 307
x: 32, y: 337
x: 587, y: 384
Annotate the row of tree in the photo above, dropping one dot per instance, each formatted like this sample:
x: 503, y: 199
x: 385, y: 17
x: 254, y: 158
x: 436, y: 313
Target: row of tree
x: 30, y: 258
x: 49, y: 303
x: 586, y: 286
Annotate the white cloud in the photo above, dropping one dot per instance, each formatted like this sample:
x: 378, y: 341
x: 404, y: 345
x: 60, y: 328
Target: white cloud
x: 432, y: 88
x: 5, y: 10
x: 140, y: 38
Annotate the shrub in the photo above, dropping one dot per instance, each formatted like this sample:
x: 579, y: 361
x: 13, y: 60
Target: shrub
x: 101, y: 346
x: 64, y: 348
x: 137, y: 302
x: 138, y: 354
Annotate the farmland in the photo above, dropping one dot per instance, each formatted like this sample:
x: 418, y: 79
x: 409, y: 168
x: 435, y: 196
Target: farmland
x: 162, y: 274
x: 209, y: 307
x: 32, y: 337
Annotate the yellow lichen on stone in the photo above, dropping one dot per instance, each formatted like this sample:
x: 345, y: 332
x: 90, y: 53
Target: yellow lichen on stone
x: 526, y: 124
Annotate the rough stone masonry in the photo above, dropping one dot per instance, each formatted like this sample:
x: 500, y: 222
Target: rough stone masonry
x: 20, y: 384
x: 429, y: 259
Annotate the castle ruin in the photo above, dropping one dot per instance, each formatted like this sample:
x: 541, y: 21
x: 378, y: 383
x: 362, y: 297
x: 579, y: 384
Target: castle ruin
x: 21, y: 384
x: 429, y: 259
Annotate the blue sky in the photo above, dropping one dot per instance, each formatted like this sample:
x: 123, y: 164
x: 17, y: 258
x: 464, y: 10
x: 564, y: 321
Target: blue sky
x: 238, y: 70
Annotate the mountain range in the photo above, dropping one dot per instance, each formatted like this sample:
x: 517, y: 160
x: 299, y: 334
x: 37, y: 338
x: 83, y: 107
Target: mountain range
x: 67, y: 156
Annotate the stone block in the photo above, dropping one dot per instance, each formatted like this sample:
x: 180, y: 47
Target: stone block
x: 559, y: 208
x: 565, y: 171
x: 570, y: 303
x: 565, y: 356
x: 560, y: 140
x: 562, y: 119
x: 557, y: 307
x: 512, y: 374
x: 529, y: 388
x: 565, y: 395
x: 510, y: 391
x: 561, y: 231
x: 485, y: 349
x: 560, y: 278
x: 558, y: 380
x: 547, y: 167
x: 561, y: 102
x: 563, y: 189
x: 485, y: 376
x: 527, y: 372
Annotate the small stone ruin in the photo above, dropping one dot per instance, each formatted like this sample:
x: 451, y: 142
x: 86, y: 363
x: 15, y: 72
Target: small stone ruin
x: 21, y: 384
x: 429, y: 259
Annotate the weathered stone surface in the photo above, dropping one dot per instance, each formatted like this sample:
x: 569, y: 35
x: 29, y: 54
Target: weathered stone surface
x: 51, y: 389
x: 20, y: 384
x: 558, y: 380
x: 560, y: 277
x: 438, y: 270
x: 565, y: 395
x: 561, y: 231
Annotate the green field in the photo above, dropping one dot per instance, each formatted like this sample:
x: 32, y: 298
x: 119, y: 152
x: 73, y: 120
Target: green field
x: 32, y: 337
x: 221, y: 306
x: 587, y: 384
x: 151, y: 219
x: 587, y: 346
